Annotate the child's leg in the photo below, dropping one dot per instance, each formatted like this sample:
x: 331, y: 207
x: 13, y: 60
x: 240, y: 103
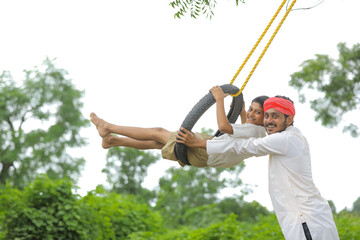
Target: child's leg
x: 115, y: 141
x: 159, y: 135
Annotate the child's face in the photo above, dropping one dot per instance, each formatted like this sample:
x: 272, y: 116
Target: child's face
x: 255, y: 114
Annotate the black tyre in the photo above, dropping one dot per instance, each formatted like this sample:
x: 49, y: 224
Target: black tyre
x: 200, y: 108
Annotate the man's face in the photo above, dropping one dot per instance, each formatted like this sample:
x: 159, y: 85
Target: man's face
x: 255, y: 114
x: 274, y: 121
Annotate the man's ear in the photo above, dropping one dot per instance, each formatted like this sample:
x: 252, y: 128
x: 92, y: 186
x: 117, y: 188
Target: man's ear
x: 289, y: 120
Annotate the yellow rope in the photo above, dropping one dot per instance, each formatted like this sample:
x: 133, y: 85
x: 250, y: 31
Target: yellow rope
x: 266, y: 47
x: 258, y: 41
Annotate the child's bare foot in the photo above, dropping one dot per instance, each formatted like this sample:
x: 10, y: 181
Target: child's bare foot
x: 106, y: 141
x: 100, y: 124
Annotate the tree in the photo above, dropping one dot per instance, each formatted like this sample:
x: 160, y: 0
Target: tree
x: 39, y: 120
x: 245, y: 211
x: 337, y: 81
x: 196, y: 7
x: 126, y: 169
x: 332, y: 206
x: 356, y: 206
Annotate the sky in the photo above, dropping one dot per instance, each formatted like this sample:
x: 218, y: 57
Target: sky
x: 139, y: 66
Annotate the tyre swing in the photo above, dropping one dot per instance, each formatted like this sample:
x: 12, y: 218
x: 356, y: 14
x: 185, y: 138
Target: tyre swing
x: 237, y: 102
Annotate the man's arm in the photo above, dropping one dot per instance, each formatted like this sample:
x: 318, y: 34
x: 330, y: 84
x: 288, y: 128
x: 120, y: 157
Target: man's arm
x: 189, y: 139
x: 272, y: 144
x: 244, y: 147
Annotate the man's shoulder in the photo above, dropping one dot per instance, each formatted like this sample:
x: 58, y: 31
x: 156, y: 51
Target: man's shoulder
x: 293, y: 130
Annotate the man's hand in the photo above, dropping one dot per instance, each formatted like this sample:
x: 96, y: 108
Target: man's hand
x: 189, y: 139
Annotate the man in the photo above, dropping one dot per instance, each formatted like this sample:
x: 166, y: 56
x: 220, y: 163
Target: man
x: 300, y: 209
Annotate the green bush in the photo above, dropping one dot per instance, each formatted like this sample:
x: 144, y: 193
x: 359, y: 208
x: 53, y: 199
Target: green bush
x: 2, y: 230
x: 45, y: 209
x: 267, y: 227
x: 48, y: 209
x: 245, y: 211
x: 117, y: 216
x: 348, y: 226
x: 203, y: 216
x: 230, y: 229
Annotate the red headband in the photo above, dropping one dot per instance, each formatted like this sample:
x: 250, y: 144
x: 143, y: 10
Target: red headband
x: 280, y: 104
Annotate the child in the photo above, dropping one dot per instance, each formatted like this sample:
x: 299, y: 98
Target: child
x: 160, y: 138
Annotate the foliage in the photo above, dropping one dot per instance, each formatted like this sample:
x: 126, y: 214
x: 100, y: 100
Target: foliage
x: 117, y: 216
x: 332, y: 206
x: 48, y: 209
x: 126, y: 169
x: 356, y: 207
x: 266, y: 227
x: 196, y: 7
x: 39, y: 120
x: 185, y: 188
x: 2, y: 221
x: 339, y: 82
x: 208, y: 131
x: 44, y: 210
x: 229, y: 229
x: 203, y: 216
x: 245, y: 211
x: 348, y: 226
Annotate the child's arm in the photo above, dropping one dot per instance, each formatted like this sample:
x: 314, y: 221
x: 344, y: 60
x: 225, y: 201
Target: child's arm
x: 243, y: 114
x: 189, y: 139
x: 223, y: 123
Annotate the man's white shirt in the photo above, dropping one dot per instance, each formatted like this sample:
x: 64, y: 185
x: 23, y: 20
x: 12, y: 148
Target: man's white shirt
x: 230, y: 159
x: 293, y: 193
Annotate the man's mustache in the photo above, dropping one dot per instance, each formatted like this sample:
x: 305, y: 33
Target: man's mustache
x: 270, y: 125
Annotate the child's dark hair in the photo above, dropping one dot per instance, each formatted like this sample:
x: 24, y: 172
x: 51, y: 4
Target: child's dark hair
x: 260, y: 100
